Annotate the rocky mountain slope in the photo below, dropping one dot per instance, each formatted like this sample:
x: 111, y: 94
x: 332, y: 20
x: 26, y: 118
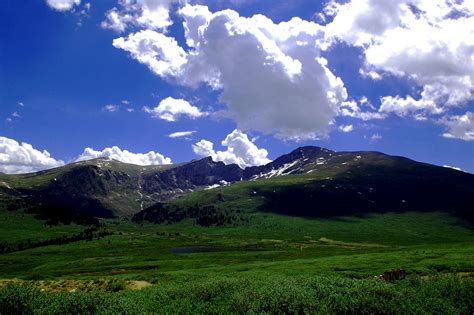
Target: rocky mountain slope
x: 371, y: 180
x: 315, y: 182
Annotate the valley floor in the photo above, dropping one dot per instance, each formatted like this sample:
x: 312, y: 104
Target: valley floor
x: 270, y: 264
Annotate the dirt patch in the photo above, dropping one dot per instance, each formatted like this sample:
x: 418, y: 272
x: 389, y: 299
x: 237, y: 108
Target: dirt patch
x: 268, y: 240
x: 138, y: 284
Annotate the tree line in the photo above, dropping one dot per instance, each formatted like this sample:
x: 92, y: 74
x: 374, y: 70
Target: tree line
x: 89, y: 234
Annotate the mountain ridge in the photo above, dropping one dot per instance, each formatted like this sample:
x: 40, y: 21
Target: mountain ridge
x: 105, y: 187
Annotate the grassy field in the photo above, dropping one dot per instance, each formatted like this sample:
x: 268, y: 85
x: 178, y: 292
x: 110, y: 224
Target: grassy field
x: 273, y: 263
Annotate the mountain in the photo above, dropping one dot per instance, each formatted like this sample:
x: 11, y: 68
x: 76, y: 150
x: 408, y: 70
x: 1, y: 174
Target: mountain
x: 297, y: 161
x: 107, y: 188
x: 309, y: 181
x: 316, y: 182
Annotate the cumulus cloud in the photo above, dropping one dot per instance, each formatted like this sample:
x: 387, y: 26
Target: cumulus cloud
x: 352, y: 109
x: 160, y: 53
x: 63, y: 5
x: 150, y: 158
x: 240, y: 150
x: 18, y: 157
x: 430, y: 42
x: 171, y: 109
x: 181, y: 134
x: 147, y: 14
x: 346, y: 128
x: 271, y: 77
x: 408, y: 105
x: 459, y: 127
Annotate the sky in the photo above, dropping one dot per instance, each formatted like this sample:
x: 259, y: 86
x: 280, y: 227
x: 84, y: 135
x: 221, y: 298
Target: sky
x: 244, y: 81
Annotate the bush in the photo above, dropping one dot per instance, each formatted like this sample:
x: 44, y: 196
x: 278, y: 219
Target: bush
x: 254, y: 293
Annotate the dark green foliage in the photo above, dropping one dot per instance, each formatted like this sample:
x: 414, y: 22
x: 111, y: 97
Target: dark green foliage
x: 372, y: 188
x: 59, y: 213
x: 268, y: 294
x: 204, y: 215
x: 16, y: 299
x: 88, y: 234
x: 115, y: 286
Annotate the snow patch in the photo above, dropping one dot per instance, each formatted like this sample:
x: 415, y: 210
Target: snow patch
x: 221, y: 183
x: 212, y: 186
x: 321, y: 161
x: 282, y: 171
x: 6, y: 185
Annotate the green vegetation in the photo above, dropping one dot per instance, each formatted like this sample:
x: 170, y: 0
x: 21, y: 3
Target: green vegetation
x: 363, y: 189
x: 272, y: 263
x: 258, y: 293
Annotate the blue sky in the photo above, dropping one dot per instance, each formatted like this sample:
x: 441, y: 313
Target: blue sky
x: 60, y: 69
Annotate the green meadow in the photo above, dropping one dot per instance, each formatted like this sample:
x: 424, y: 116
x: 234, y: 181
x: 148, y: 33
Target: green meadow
x: 268, y: 264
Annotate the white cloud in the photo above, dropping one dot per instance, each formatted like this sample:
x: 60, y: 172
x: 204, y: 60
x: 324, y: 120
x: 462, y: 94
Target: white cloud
x: 126, y: 102
x: 408, y: 105
x: 146, y: 14
x: 204, y: 148
x: 346, y: 128
x: 430, y: 42
x: 376, y: 137
x: 181, y: 134
x: 370, y: 74
x: 23, y: 158
x: 459, y: 127
x: 240, y: 151
x: 111, y: 108
x: 160, y: 53
x: 352, y: 109
x: 150, y: 158
x: 21, y: 104
x: 16, y: 115
x: 272, y: 77
x: 171, y: 109
x: 9, y: 120
x: 62, y: 5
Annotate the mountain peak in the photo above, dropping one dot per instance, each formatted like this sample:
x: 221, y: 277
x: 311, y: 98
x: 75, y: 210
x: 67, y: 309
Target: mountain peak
x: 207, y: 159
x: 310, y: 151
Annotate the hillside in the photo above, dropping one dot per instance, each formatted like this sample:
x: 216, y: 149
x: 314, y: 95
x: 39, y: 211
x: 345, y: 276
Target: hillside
x: 108, y: 188
x: 309, y: 181
x: 314, y: 182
